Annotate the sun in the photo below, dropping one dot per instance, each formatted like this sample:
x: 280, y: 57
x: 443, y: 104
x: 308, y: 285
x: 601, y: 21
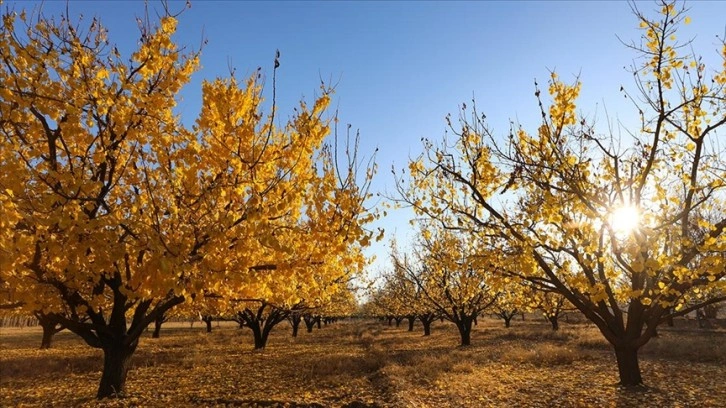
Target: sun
x: 625, y: 219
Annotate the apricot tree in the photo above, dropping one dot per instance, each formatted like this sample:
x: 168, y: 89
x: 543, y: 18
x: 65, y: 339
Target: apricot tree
x: 626, y: 229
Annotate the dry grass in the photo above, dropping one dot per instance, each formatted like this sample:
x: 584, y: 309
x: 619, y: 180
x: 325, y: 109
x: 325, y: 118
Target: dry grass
x: 368, y: 364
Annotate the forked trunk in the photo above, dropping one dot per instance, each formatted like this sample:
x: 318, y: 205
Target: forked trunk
x: 628, y: 367
x: 208, y: 321
x: 116, y: 359
x: 508, y: 321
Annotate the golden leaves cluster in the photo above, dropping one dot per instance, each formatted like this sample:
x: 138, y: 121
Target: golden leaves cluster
x: 99, y: 178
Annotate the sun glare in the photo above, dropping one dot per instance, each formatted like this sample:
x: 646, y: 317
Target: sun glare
x: 625, y: 219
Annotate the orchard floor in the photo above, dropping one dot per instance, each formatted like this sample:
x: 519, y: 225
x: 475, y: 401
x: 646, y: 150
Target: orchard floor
x: 369, y: 364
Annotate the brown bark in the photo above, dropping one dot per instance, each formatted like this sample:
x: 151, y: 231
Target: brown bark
x: 628, y: 366
x: 309, y: 323
x: 411, y: 319
x: 116, y: 359
x: 208, y: 321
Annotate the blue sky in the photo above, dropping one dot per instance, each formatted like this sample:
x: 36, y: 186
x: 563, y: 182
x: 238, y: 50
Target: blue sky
x: 402, y: 66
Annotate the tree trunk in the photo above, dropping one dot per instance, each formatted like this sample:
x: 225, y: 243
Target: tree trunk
x: 554, y: 322
x: 710, y: 311
x: 508, y: 322
x: 317, y: 320
x: 157, y: 329
x: 427, y: 327
x: 157, y: 326
x: 50, y: 328
x: 398, y: 321
x: 628, y: 367
x: 390, y: 321
x: 295, y: 320
x: 208, y: 321
x: 464, y: 327
x: 260, y: 339
x: 48, y: 332
x: 411, y: 319
x: 116, y: 360
x: 309, y: 324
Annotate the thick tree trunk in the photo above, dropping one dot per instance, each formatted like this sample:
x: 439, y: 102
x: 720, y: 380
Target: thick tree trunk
x: 48, y: 332
x: 208, y: 321
x: 157, y: 326
x: 50, y: 328
x: 427, y: 327
x: 116, y: 360
x: 295, y: 320
x: 309, y: 324
x: 398, y: 321
x: 508, y: 322
x: 317, y: 320
x: 260, y: 338
x: 554, y: 322
x: 628, y: 367
x: 464, y: 327
x: 390, y: 321
x: 426, y: 319
x: 411, y: 319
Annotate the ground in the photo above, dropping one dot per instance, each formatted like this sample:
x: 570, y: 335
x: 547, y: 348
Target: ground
x: 365, y: 363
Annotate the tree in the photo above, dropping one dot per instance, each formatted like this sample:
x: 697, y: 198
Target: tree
x: 404, y: 298
x: 81, y: 129
x: 508, y: 305
x: 607, y: 223
x: 453, y: 276
x: 115, y: 212
x: 552, y: 304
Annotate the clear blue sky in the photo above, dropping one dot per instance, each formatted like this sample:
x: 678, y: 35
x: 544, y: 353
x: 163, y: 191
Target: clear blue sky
x: 402, y: 66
